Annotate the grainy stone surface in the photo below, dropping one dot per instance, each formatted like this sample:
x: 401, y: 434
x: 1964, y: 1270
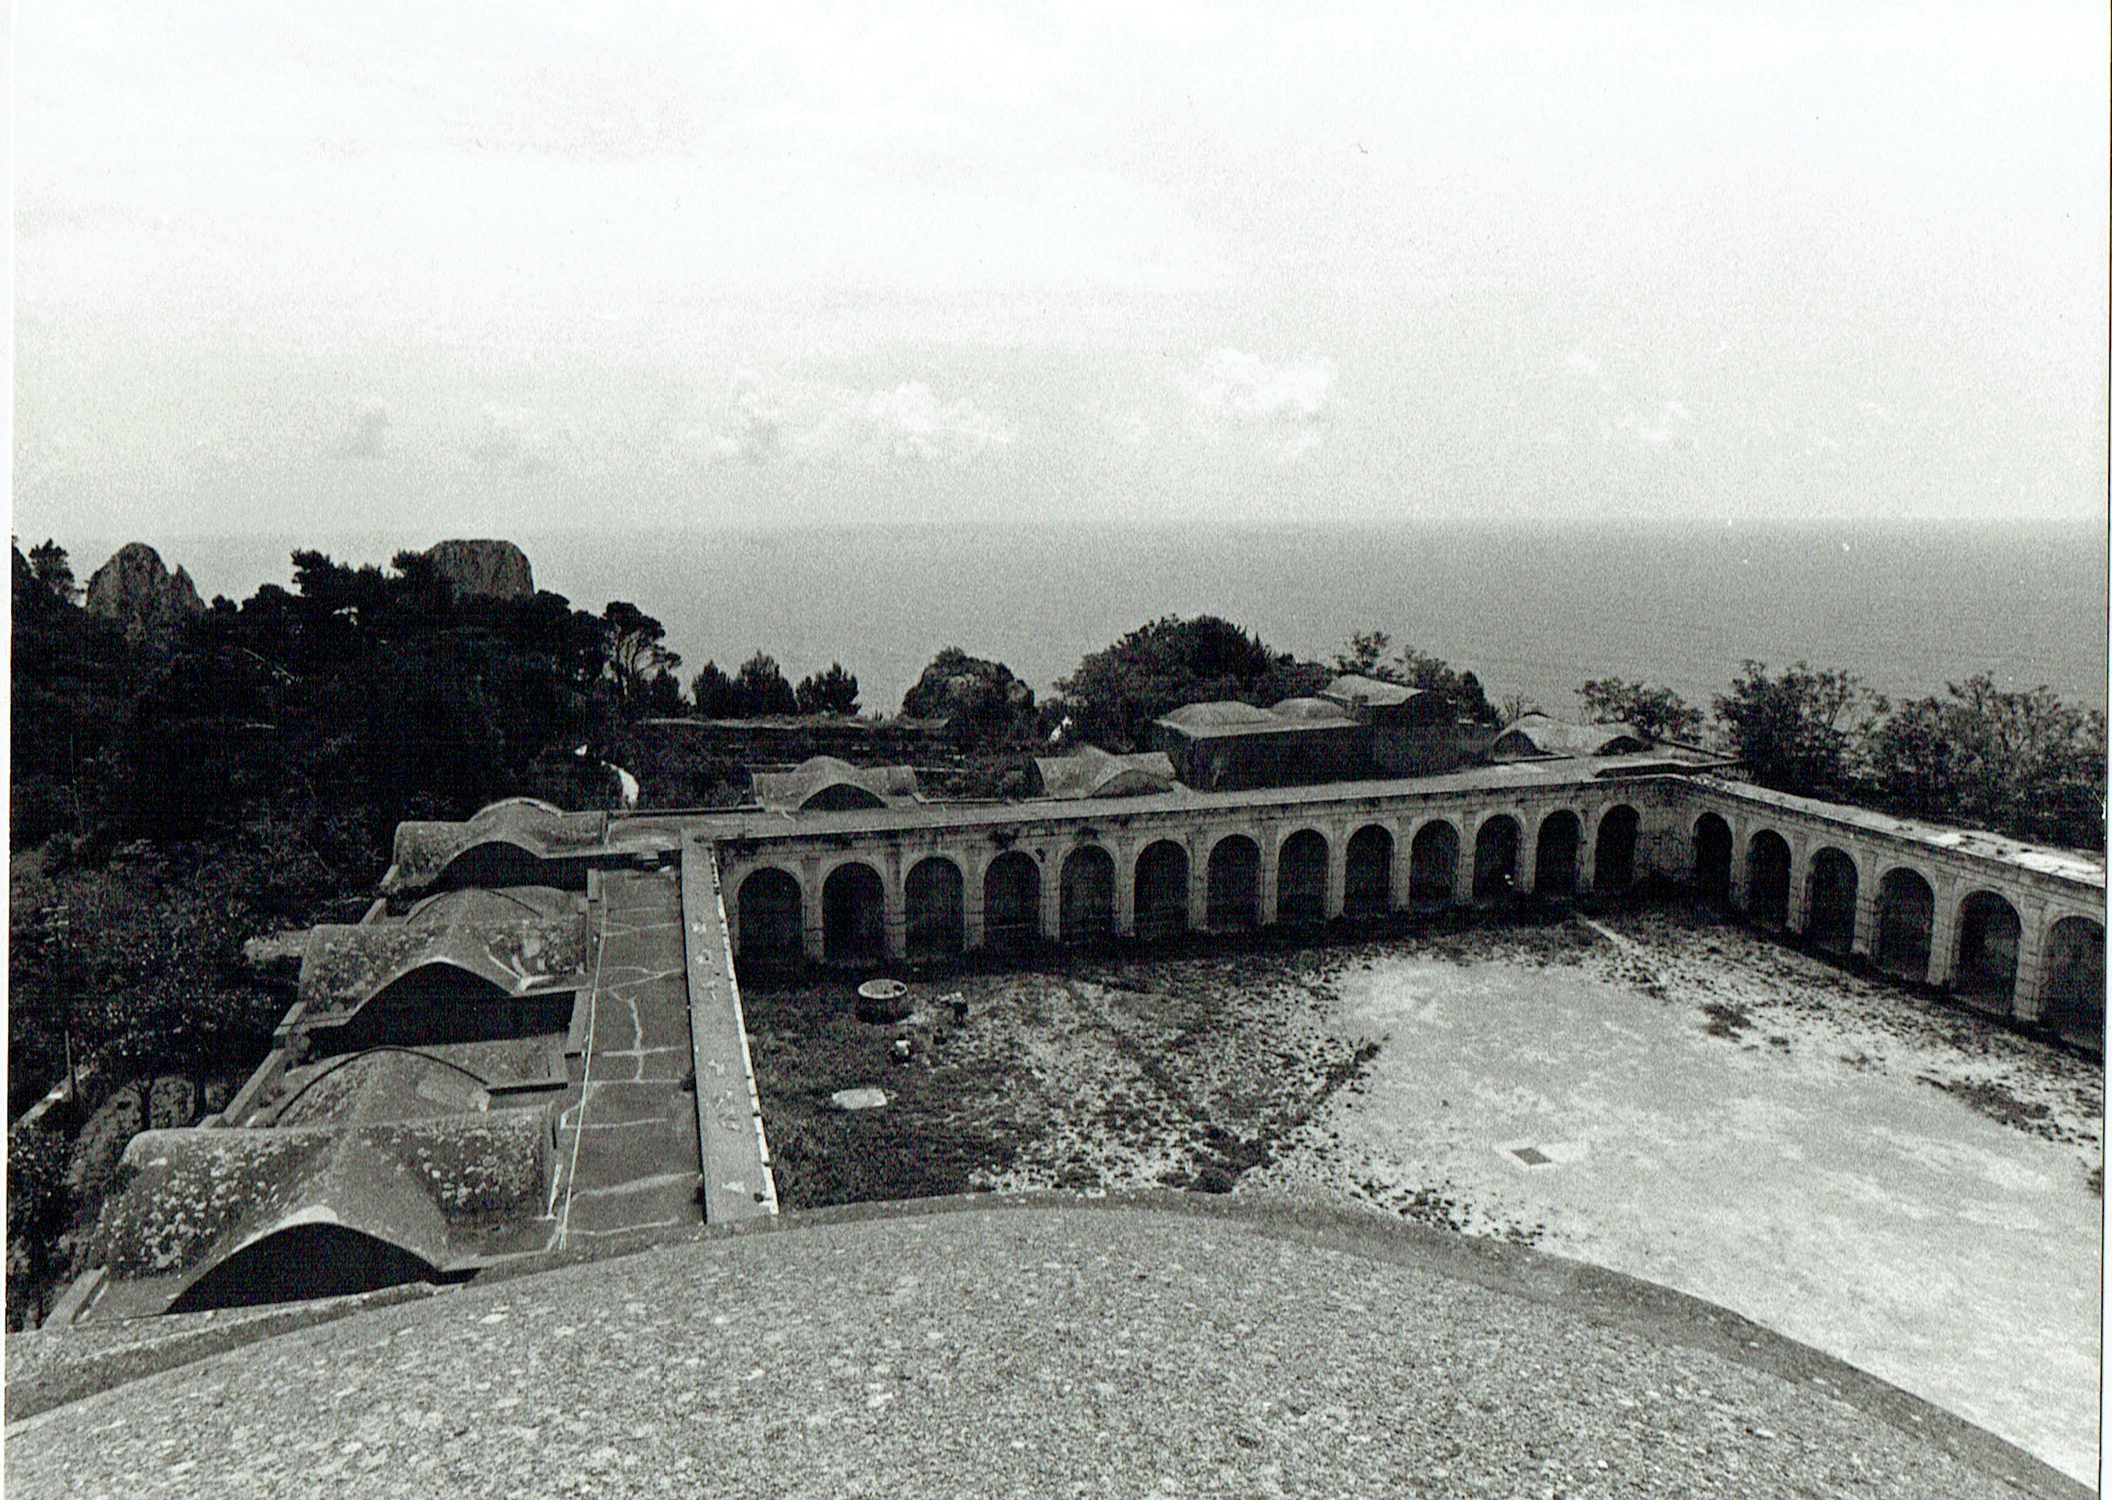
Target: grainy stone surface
x: 1032, y: 1351
x: 498, y: 570
x: 136, y: 590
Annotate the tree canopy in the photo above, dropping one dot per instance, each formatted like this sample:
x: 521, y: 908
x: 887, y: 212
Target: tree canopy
x: 1657, y: 712
x: 2019, y: 763
x: 1799, y: 731
x: 1461, y: 691
x: 987, y: 705
x: 1115, y: 694
x: 832, y: 692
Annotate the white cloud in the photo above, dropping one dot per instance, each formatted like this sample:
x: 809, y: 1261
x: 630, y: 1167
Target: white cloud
x: 753, y: 427
x: 1582, y: 364
x: 366, y: 435
x: 1280, y: 405
x: 1247, y: 386
x: 1661, y: 427
x: 760, y: 422
x: 912, y: 423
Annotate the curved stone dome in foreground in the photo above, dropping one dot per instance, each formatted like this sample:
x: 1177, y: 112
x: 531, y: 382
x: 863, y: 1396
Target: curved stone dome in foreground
x: 1045, y: 1346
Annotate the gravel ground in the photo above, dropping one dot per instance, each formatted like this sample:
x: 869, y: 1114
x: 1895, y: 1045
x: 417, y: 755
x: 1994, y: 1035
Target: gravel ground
x: 1894, y: 1179
x: 1882, y: 1175
x: 1031, y: 1351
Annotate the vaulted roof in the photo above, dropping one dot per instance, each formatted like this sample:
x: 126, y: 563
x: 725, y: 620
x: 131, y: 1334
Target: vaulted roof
x: 518, y: 940
x: 1538, y: 734
x: 537, y: 829
x: 1092, y: 772
x: 823, y: 782
x: 410, y: 1157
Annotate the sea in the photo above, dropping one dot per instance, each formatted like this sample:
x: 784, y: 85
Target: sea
x: 1535, y: 611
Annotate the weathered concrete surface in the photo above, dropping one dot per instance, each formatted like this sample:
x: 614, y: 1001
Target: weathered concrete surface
x: 736, y: 1159
x: 1030, y: 1350
x: 627, y: 1147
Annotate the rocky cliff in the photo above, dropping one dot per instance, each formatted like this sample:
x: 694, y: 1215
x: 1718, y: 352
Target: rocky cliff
x: 498, y: 570
x: 134, y: 589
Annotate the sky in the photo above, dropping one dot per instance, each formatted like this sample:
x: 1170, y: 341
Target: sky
x: 461, y: 269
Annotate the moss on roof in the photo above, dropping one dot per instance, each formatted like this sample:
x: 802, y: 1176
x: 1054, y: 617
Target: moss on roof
x: 515, y: 945
x: 423, y: 851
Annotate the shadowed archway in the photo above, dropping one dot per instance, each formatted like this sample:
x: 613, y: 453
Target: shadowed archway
x: 1367, y: 876
x: 1234, y: 896
x: 304, y: 1261
x: 932, y: 910
x: 1767, y: 879
x: 1496, y: 858
x: 1555, y: 854
x: 1712, y: 859
x: 2072, y: 994
x: 770, y: 916
x: 1087, y: 890
x: 1829, y: 920
x: 1906, y: 914
x: 1162, y: 890
x: 1301, y: 878
x: 1613, y: 852
x: 1433, y: 865
x: 1988, y: 936
x: 1012, y: 901
x: 853, y: 915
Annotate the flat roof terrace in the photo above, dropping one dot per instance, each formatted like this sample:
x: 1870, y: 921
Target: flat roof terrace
x: 759, y: 823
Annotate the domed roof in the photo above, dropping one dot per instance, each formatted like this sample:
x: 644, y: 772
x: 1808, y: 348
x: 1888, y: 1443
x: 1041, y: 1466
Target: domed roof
x: 1309, y: 708
x: 1219, y: 715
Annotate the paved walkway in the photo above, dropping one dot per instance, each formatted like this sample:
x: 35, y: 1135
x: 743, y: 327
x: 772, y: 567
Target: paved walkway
x: 1029, y: 1350
x: 627, y: 1149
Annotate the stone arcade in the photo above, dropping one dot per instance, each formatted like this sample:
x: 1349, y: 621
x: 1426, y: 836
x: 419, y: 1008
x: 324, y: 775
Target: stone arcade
x: 499, y: 1067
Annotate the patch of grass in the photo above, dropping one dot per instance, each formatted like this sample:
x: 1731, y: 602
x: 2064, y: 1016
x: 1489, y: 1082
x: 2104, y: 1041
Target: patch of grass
x: 1997, y: 1103
x: 928, y: 1141
x: 1727, y: 1021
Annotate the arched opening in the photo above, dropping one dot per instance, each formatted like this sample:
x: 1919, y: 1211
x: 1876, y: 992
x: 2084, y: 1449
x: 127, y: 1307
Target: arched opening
x: 496, y: 864
x: 853, y: 915
x: 438, y: 1004
x: 1830, y: 919
x: 931, y: 910
x: 304, y: 1261
x: 1767, y: 879
x: 1906, y: 912
x: 1162, y: 890
x: 842, y: 796
x: 1301, y: 878
x: 1234, y: 893
x: 1555, y: 854
x: 2072, y: 996
x: 1613, y: 853
x: 1087, y: 886
x: 769, y: 917
x: 1012, y: 901
x: 1988, y: 934
x: 1712, y: 859
x: 1433, y: 865
x: 1367, y: 876
x: 1496, y: 859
